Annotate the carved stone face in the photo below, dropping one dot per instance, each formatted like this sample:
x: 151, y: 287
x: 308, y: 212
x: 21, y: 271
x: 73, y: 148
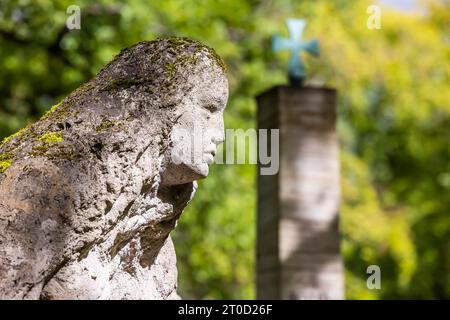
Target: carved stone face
x: 198, y: 130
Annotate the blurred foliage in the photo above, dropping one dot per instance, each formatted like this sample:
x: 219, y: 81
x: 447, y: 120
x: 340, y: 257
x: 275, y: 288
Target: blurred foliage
x: 394, y: 123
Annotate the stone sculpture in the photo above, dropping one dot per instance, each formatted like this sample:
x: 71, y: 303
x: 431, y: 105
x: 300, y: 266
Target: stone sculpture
x: 90, y: 193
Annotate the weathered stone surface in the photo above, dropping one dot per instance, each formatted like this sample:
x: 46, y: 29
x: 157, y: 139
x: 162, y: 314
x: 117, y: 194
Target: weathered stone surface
x: 89, y: 194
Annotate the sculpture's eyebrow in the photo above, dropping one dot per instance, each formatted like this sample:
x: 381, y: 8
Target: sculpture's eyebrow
x: 219, y: 103
x: 216, y: 101
x: 222, y: 102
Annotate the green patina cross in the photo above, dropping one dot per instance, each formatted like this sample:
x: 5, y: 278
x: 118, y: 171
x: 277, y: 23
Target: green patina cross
x: 295, y: 45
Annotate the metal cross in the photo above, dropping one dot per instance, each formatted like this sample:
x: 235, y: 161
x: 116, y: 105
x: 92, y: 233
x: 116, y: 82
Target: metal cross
x: 295, y: 45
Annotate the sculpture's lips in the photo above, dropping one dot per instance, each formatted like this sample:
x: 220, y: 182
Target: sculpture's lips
x: 209, y: 157
x: 211, y: 151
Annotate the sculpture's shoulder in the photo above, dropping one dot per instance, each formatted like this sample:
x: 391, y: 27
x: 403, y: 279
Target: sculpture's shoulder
x: 35, y: 184
x: 34, y: 203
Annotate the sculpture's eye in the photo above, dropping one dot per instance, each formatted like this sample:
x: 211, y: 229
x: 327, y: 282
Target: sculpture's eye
x: 211, y: 108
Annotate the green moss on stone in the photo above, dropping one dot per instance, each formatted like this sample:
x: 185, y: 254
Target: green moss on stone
x: 49, y: 142
x: 213, y: 54
x: 188, y: 60
x: 6, y: 160
x: 52, y: 110
x: 52, y: 152
x: 13, y: 142
x: 176, y: 43
x: 170, y: 68
x: 40, y: 150
x: 52, y: 137
x: 106, y: 123
x: 15, y: 135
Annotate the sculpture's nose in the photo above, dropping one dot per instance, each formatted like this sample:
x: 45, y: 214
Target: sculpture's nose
x: 219, y: 139
x: 219, y: 135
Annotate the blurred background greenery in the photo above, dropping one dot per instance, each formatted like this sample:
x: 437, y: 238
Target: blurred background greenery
x: 394, y: 123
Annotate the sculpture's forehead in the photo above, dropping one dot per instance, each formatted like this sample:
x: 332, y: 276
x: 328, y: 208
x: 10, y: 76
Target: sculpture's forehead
x: 212, y: 88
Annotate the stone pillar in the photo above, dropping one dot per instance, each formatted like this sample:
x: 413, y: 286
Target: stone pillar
x: 298, y: 249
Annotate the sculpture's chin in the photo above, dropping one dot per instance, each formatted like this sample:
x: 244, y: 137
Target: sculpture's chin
x: 183, y: 173
x: 202, y: 170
